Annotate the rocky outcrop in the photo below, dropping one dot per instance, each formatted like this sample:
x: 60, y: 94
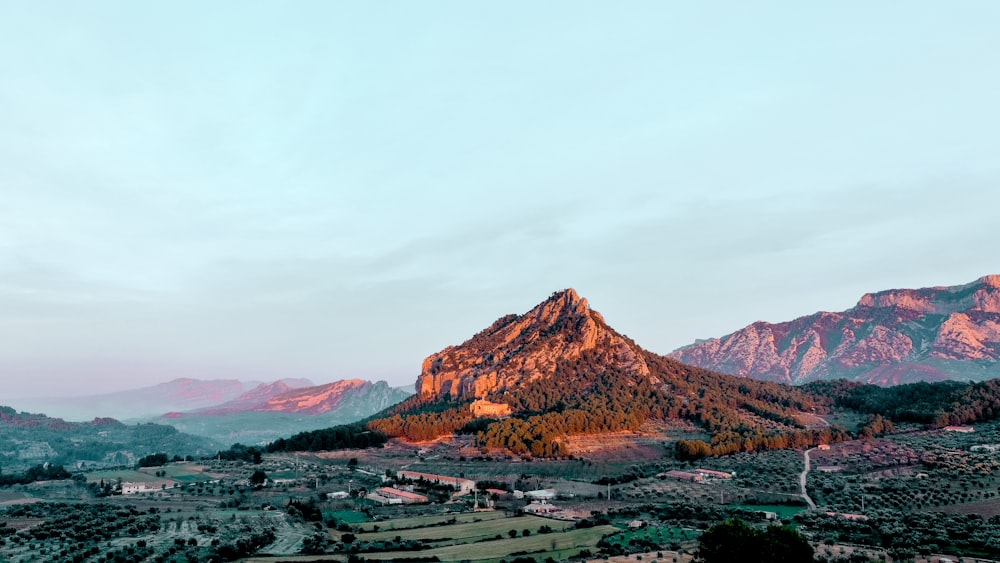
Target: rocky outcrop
x: 888, y: 338
x: 517, y: 349
x: 348, y: 395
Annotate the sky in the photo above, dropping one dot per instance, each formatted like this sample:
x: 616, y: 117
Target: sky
x: 331, y: 190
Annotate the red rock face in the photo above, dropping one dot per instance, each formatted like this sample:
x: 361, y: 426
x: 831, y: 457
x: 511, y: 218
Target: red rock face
x: 288, y: 397
x: 518, y: 349
x: 314, y: 400
x: 890, y: 337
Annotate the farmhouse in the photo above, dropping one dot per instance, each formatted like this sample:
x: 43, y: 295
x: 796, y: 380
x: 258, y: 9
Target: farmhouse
x: 389, y: 495
x: 133, y: 488
x: 483, y: 407
x: 683, y: 476
x: 713, y: 474
x: 542, y: 494
x: 338, y: 495
x: 541, y: 508
x: 461, y: 485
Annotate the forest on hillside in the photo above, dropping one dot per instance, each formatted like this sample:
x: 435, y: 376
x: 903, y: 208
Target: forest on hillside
x: 584, y: 396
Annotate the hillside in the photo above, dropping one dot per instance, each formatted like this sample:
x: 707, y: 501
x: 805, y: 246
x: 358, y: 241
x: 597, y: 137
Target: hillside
x: 560, y: 369
x: 889, y: 338
x: 27, y: 439
x: 272, y: 410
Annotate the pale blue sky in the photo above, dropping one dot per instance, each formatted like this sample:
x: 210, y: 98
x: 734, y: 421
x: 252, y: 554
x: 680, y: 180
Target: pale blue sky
x: 333, y: 190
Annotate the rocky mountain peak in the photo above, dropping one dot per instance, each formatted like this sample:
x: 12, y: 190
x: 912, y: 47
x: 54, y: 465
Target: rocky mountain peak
x: 890, y: 337
x: 980, y: 295
x: 992, y: 281
x: 517, y: 349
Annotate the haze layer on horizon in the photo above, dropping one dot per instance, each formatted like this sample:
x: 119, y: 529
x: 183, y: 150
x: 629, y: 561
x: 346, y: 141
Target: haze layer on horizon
x: 333, y: 190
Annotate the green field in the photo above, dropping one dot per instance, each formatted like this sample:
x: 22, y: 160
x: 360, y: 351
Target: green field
x: 556, y: 545
x: 129, y: 475
x: 784, y: 511
x: 471, y: 531
x: 422, y: 521
x: 658, y: 535
x: 349, y: 516
x: 184, y: 473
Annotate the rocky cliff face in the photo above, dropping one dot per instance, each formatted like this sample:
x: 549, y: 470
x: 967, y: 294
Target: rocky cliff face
x: 888, y: 338
x: 518, y: 349
x: 352, y: 396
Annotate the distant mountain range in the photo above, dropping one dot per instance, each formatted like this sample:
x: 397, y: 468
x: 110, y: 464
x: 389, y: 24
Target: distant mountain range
x: 889, y: 338
x: 273, y: 410
x: 27, y: 439
x: 229, y: 410
x: 182, y: 394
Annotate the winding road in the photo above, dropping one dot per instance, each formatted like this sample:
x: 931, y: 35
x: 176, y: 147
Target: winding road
x: 802, y: 480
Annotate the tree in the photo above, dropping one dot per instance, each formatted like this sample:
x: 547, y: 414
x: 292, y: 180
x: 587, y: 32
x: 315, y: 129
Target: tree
x: 258, y: 478
x: 734, y: 540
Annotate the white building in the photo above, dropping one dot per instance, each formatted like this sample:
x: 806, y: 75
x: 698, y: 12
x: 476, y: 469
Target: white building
x: 542, y: 494
x: 133, y: 488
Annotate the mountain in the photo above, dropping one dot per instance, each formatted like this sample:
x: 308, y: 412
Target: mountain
x: 516, y: 350
x: 276, y: 409
x: 27, y: 439
x: 560, y: 370
x: 349, y: 397
x: 889, y: 338
x: 182, y: 394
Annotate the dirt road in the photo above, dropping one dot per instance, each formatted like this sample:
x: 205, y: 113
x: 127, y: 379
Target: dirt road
x: 802, y: 480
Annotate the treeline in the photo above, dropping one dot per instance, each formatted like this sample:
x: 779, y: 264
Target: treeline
x: 937, y: 404
x: 426, y: 425
x: 45, y: 472
x: 585, y: 396
x: 239, y: 452
x: 729, y: 444
x: 346, y: 436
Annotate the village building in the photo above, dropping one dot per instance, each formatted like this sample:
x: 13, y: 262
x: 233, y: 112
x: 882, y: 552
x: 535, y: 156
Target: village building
x: 683, y: 476
x: 337, y: 495
x: 389, y: 495
x: 461, y: 485
x: 542, y: 494
x: 134, y: 488
x: 539, y: 508
x: 484, y: 407
x: 713, y: 474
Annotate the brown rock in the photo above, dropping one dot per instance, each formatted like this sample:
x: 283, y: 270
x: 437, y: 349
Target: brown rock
x: 517, y: 349
x: 924, y: 334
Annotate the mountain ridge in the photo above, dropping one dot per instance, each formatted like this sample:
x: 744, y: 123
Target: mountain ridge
x: 561, y: 370
x: 889, y: 337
